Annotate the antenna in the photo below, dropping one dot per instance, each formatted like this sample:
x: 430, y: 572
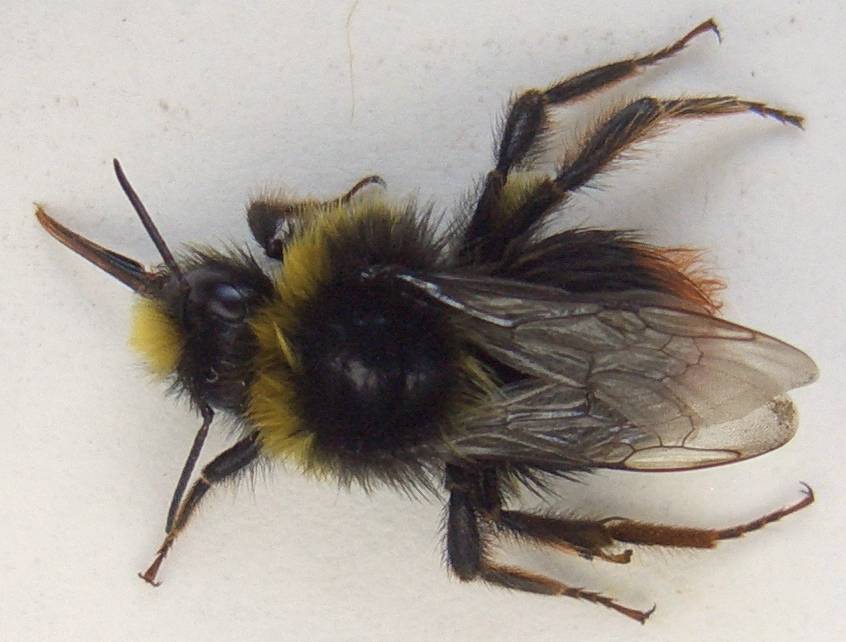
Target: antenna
x: 147, y: 222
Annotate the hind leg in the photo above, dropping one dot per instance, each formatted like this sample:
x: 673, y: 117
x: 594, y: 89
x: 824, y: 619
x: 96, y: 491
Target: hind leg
x: 527, y: 120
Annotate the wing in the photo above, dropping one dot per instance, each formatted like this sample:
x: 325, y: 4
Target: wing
x: 637, y: 380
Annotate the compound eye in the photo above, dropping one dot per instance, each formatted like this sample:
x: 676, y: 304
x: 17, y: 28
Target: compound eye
x: 227, y: 302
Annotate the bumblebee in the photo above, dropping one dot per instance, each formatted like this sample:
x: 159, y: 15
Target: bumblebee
x: 375, y: 347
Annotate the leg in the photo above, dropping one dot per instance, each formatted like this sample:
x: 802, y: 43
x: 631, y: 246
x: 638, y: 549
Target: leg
x: 625, y: 530
x: 590, y: 538
x: 585, y: 538
x: 188, y: 468
x: 527, y: 116
x: 268, y: 218
x: 466, y: 546
x: 362, y: 183
x: 527, y: 119
x: 223, y: 467
x: 643, y: 118
x: 626, y: 127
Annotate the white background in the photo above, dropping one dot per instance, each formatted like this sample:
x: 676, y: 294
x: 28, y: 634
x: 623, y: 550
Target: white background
x: 208, y: 106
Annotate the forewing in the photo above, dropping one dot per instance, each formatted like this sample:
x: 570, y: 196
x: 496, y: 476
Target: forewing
x: 638, y: 380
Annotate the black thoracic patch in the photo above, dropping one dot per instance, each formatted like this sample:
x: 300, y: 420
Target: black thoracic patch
x: 378, y: 370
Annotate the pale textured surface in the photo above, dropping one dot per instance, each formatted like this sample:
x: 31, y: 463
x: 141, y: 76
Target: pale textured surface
x: 208, y: 106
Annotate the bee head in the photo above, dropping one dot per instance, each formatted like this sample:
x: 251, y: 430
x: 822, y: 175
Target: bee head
x: 192, y: 319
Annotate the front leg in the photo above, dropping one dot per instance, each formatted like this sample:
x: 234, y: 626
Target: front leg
x: 225, y: 466
x: 188, y: 468
x: 269, y: 218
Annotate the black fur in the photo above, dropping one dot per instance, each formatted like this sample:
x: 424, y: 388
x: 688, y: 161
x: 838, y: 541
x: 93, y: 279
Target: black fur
x: 379, y: 369
x: 216, y: 367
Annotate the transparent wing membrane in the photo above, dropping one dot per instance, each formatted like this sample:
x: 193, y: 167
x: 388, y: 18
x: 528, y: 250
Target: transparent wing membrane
x: 635, y: 380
